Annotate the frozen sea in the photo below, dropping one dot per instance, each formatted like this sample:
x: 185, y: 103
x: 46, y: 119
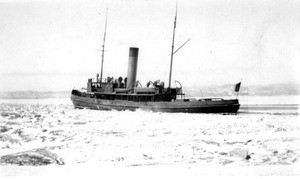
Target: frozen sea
x: 261, y: 140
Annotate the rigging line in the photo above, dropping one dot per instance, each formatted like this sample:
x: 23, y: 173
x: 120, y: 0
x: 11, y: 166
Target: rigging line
x: 182, y: 46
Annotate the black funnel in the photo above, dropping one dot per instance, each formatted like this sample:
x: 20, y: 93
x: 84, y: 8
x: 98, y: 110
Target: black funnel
x: 132, y: 67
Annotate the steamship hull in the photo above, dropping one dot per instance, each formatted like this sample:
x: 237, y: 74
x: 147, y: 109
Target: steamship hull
x: 181, y: 106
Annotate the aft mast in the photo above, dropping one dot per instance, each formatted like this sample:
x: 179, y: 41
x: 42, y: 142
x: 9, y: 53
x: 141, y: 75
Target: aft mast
x: 172, y: 51
x: 104, y: 37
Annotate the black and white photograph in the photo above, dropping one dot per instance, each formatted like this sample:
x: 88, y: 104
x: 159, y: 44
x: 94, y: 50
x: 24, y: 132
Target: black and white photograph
x: 149, y: 88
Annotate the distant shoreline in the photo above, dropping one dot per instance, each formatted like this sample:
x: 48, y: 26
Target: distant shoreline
x: 66, y: 94
x: 226, y: 90
x: 34, y: 94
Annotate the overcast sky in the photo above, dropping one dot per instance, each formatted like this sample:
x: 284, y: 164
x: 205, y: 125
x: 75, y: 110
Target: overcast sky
x: 54, y: 44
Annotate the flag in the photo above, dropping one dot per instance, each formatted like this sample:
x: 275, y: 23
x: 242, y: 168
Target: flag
x: 237, y: 87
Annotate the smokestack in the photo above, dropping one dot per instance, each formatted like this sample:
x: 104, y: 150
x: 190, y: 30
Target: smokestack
x: 132, y: 66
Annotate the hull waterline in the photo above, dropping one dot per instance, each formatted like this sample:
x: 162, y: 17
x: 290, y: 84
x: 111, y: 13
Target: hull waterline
x: 195, y: 106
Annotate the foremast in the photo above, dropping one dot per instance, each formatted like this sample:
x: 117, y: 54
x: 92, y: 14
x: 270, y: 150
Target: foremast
x: 103, y: 48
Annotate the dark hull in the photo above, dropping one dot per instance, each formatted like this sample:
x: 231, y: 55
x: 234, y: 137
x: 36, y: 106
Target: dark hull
x: 207, y: 106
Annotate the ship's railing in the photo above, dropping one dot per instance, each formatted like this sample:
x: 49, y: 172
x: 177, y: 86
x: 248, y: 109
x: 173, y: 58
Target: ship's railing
x: 211, y: 99
x: 120, y: 90
x: 145, y: 90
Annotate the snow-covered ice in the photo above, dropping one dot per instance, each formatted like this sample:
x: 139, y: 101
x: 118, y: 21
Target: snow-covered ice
x: 264, y: 143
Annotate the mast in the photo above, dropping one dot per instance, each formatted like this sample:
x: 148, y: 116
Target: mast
x: 172, y: 51
x: 104, y: 37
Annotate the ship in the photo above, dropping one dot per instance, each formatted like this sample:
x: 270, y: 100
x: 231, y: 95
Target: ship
x: 128, y: 94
